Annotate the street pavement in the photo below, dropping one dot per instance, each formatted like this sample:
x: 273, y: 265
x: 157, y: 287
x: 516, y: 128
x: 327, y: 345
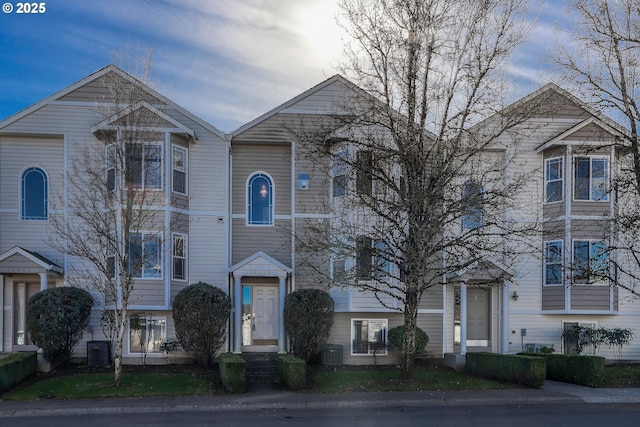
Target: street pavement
x: 261, y: 396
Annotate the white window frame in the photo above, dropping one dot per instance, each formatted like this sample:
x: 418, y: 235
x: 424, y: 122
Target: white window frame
x: 184, y: 152
x: 23, y: 194
x: 155, y: 352
x: 272, y: 201
x: 545, y: 262
x: 547, y: 180
x: 602, y: 281
x: 160, y: 264
x: 385, y: 327
x: 175, y: 257
x: 607, y: 178
x: 590, y: 350
x: 143, y: 172
x: 339, y: 170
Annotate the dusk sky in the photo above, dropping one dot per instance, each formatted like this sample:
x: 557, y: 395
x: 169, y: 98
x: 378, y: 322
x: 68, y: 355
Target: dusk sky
x: 227, y: 61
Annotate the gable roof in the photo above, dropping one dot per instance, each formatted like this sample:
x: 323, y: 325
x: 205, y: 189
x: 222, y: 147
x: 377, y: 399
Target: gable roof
x: 337, y: 78
x: 34, y: 257
x: 591, y: 120
x: 260, y: 264
x: 98, y: 74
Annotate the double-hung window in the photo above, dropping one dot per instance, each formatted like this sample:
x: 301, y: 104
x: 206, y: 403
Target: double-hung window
x: 553, y: 262
x: 146, y: 334
x: 339, y: 174
x: 145, y: 166
x: 35, y: 195
x: 590, y: 262
x: 145, y: 255
x: 179, y: 255
x: 553, y: 180
x: 591, y: 178
x: 369, y: 336
x: 179, y: 176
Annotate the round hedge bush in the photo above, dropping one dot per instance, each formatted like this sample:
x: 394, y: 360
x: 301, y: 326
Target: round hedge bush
x: 308, y: 318
x: 56, y: 318
x: 200, y: 314
x: 396, y: 336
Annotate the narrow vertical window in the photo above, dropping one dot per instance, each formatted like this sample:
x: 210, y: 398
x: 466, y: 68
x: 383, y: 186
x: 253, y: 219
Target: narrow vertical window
x: 110, y: 154
x: 553, y: 180
x: 339, y: 174
x: 179, y: 178
x: 35, y: 195
x: 179, y: 257
x: 553, y: 263
x: 364, y: 173
x: 472, y: 205
x: 364, y: 258
x: 260, y: 200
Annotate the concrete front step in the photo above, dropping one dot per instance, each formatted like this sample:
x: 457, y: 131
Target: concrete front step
x: 261, y: 367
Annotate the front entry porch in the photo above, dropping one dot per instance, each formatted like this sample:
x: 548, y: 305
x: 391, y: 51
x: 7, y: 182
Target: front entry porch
x: 259, y: 289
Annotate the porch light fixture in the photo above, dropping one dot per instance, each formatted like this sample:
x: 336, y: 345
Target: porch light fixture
x: 514, y: 296
x: 263, y: 191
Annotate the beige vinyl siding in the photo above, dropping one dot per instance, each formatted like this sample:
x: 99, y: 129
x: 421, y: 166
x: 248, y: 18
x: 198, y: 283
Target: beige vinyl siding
x: 315, y: 200
x: 593, y: 297
x: 590, y: 230
x: 272, y: 240
x: 553, y: 230
x: 207, y: 252
x: 602, y: 209
x: 553, y: 298
x: 148, y: 292
x: 272, y: 159
x: 432, y: 298
x: 592, y: 133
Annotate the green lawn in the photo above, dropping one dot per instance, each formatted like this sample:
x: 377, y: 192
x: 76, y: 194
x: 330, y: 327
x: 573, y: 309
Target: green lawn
x: 100, y: 385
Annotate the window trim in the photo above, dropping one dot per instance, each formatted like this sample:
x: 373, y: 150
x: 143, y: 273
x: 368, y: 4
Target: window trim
x: 601, y: 282
x: 248, y: 204
x: 472, y: 216
x: 545, y: 262
x: 339, y: 170
x: 369, y: 352
x: 184, y: 169
x: 23, y: 194
x: 548, y: 181
x: 607, y: 178
x: 183, y: 258
x: 149, y: 353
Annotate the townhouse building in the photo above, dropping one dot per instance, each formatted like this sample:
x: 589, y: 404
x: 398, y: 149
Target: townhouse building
x: 235, y: 204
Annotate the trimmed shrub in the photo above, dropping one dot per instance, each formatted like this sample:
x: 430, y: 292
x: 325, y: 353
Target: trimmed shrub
x: 17, y: 367
x: 519, y: 369
x: 575, y: 369
x: 56, y: 318
x: 308, y: 318
x: 200, y: 314
x: 396, y: 337
x: 233, y: 371
x: 292, y: 371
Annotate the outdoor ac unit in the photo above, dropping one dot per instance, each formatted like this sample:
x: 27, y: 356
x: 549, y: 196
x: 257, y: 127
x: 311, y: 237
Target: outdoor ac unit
x: 98, y: 354
x: 332, y: 355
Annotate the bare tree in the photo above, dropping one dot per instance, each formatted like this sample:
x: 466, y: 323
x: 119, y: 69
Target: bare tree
x: 114, y: 199
x: 420, y: 157
x: 603, y: 61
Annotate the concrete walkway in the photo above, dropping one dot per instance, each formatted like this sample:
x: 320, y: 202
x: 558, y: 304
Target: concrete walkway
x: 261, y: 397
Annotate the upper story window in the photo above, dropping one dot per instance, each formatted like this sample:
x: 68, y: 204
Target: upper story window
x: 179, y: 256
x: 590, y: 262
x: 591, y: 178
x: 34, y: 194
x: 143, y: 163
x: 145, y: 255
x: 372, y: 259
x: 364, y: 173
x: 472, y: 202
x: 179, y: 176
x: 553, y: 180
x: 260, y: 199
x: 553, y: 262
x: 339, y: 174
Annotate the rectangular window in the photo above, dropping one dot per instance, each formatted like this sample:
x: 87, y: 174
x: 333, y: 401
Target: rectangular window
x: 364, y: 173
x: 339, y: 175
x: 146, y: 334
x: 553, y: 180
x: 364, y: 266
x: 553, y: 263
x: 591, y: 180
x: 145, y: 255
x: 110, y: 153
x: 179, y: 256
x: 590, y: 262
x: 144, y: 166
x: 369, y: 335
x: 339, y: 269
x: 179, y: 177
x: 380, y: 260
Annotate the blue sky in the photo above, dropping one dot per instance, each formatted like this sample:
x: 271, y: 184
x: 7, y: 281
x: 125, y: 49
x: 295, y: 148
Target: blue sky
x: 227, y: 61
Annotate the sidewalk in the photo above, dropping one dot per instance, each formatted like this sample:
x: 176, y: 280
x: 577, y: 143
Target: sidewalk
x: 261, y: 397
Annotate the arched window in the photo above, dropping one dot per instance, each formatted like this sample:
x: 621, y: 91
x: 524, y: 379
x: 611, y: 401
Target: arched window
x: 260, y: 200
x: 34, y: 197
x: 473, y: 201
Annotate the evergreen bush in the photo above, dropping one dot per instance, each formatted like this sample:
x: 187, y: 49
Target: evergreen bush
x: 200, y: 315
x: 308, y: 318
x: 56, y: 318
x: 396, y: 337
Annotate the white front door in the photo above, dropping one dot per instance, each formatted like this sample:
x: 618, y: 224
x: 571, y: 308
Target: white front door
x: 478, y: 319
x: 265, y: 315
